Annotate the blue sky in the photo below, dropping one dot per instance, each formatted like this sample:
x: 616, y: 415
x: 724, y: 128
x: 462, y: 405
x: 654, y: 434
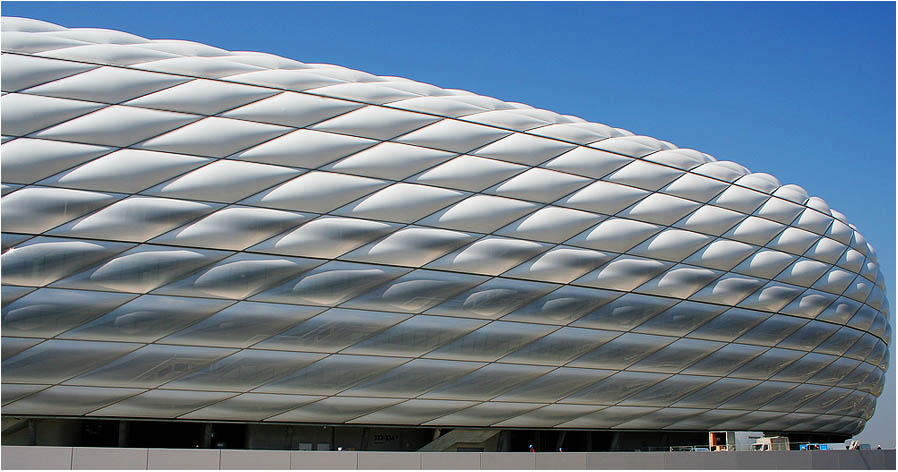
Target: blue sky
x: 803, y: 91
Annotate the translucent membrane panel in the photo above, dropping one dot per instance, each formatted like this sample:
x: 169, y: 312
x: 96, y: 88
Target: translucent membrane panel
x: 480, y: 213
x: 335, y: 409
x: 161, y: 404
x: 54, y: 361
x: 863, y: 319
x: 878, y: 328
x: 318, y: 192
x: 767, y: 364
x: 331, y: 284
x: 142, y: 269
x: 489, y: 256
x: 13, y: 392
x: 609, y: 417
x: 487, y: 382
x: 561, y: 264
x: 856, y: 378
x: 622, y: 351
x: 680, y: 318
x: 840, y: 341
x: 68, y: 401
x: 729, y: 325
x: 493, y: 298
x: 560, y: 346
x: 326, y: 237
x: 414, y: 378
x: 879, y: 356
x: 668, y: 391
x: 416, y: 336
x: 548, y: 416
x: 863, y: 347
x: 725, y: 360
x: 624, y: 273
x: 703, y: 421
x: 601, y: 197
x: 29, y: 113
x: 415, y: 202
x: 835, y: 372
x: 250, y: 407
x: 13, y: 346
x: 554, y: 385
x: 677, y: 356
x: 205, y: 97
x: 660, y: 419
x: 152, y: 366
x: 415, y: 291
x: 240, y: 276
x: 136, y: 218
x: 292, y: 109
x: 23, y: 71
x: 41, y: 260
x: 491, y: 341
x: 234, y: 228
x: 375, y: 122
x: 562, y: 306
x: 485, y: 413
x: 37, y: 209
x: 413, y: 412
x: 223, y: 181
x: 539, y: 185
x: 245, y: 370
x: 108, y: 84
x: 758, y: 395
x: 332, y: 330
x: 795, y: 398
x: 8, y: 240
x: 748, y: 422
x: 615, y: 388
x: 809, y: 336
x: 804, y: 368
x: 243, y: 324
x: 47, y: 312
x: 875, y: 382
x: 772, y: 330
x: 551, y: 224
x: 147, y: 318
x: 411, y: 246
x: 625, y: 312
x: 332, y: 374
x: 825, y: 401
x: 468, y: 173
x: 214, y: 137
x: 716, y: 393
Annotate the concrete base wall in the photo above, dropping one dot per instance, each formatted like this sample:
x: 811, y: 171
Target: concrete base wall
x: 40, y: 457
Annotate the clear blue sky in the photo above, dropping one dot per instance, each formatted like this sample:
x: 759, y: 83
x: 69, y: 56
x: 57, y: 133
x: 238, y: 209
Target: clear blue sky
x: 803, y: 91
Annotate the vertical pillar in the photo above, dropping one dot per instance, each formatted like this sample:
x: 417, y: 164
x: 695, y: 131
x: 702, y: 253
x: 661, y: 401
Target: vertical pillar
x: 123, y: 429
x: 560, y: 442
x: 206, y: 442
x: 32, y: 433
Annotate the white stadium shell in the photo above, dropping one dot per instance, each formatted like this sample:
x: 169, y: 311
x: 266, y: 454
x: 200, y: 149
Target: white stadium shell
x: 198, y: 234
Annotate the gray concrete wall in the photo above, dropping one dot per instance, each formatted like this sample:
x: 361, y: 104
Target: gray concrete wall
x: 41, y: 457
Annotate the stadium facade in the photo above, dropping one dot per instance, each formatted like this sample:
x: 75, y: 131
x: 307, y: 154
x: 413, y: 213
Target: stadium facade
x: 194, y: 236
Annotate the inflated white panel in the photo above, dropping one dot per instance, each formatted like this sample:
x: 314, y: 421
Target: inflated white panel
x: 200, y: 234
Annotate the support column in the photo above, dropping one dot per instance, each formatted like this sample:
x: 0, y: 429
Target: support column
x: 123, y: 429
